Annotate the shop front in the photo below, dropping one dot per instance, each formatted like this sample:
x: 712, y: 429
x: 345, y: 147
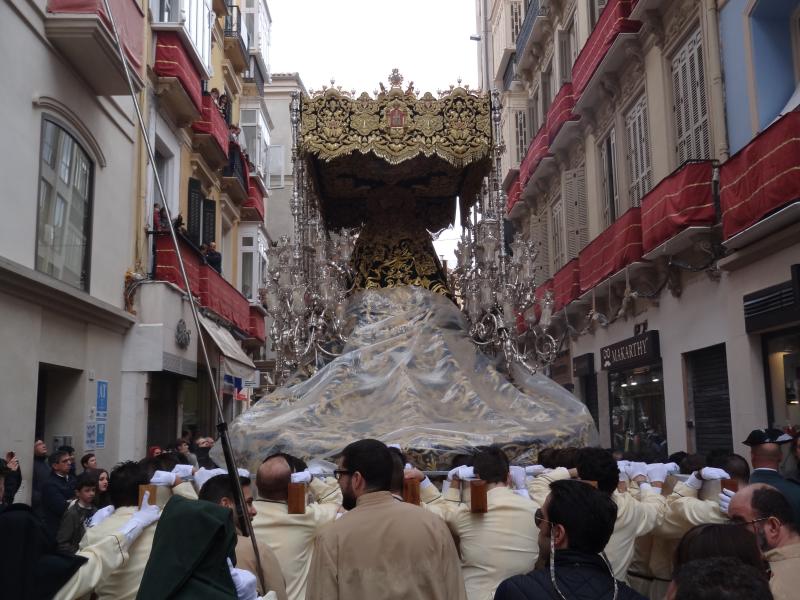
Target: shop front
x: 636, y: 395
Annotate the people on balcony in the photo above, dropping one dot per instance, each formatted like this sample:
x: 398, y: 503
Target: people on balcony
x: 214, y: 258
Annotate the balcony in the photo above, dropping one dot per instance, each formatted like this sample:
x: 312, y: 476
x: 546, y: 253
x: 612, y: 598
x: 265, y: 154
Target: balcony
x: 537, y: 150
x: 212, y: 290
x: 760, y: 184
x: 677, y: 209
x: 81, y: 31
x: 617, y: 247
x: 513, y: 194
x: 178, y: 87
x: 502, y: 36
x: 211, y: 134
x: 258, y: 326
x: 237, y: 39
x: 235, y: 176
x: 561, y: 122
x: 642, y: 8
x: 189, y: 20
x: 566, y: 284
x: 510, y: 74
x: 533, y: 31
x: 253, y: 207
x: 612, y: 24
x: 255, y: 77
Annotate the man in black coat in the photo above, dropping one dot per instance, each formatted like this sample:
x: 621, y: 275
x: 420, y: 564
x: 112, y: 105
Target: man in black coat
x: 41, y: 473
x: 575, y: 525
x: 57, y: 490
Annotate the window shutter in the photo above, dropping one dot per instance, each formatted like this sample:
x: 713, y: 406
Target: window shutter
x: 638, y: 138
x: 573, y: 185
x: 700, y: 132
x: 557, y: 248
x: 516, y: 20
x: 541, y: 239
x: 691, y: 103
x: 564, y: 56
x: 521, y: 134
x: 546, y: 89
x: 195, y: 217
x: 608, y: 159
x: 209, y: 221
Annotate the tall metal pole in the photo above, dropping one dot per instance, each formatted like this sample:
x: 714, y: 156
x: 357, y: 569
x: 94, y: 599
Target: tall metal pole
x: 222, y: 427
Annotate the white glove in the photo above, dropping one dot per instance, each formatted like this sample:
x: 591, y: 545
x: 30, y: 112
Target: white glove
x: 517, y: 477
x: 622, y: 467
x: 101, y: 515
x: 635, y: 469
x: 203, y: 475
x: 244, y: 473
x: 534, y: 470
x: 462, y: 472
x: 146, y: 515
x: 245, y: 583
x: 394, y: 446
x: 163, y: 478
x: 725, y: 498
x: 657, y: 472
x: 672, y: 468
x: 302, y: 477
x: 183, y: 471
x: 713, y: 474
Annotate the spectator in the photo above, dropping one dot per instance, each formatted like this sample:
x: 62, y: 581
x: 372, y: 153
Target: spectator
x: 182, y: 447
x: 767, y: 512
x: 41, y: 472
x: 719, y: 578
x: 575, y: 524
x: 204, y: 445
x: 13, y: 478
x: 214, y: 258
x: 71, y: 451
x: 88, y: 461
x: 766, y: 457
x: 73, y: 523
x: 57, y: 491
x: 220, y: 490
x: 4, y: 472
x: 382, y: 548
x: 153, y: 451
x: 214, y: 93
x: 102, y: 498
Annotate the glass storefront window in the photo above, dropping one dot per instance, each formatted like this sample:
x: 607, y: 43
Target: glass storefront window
x: 783, y: 376
x: 638, y: 422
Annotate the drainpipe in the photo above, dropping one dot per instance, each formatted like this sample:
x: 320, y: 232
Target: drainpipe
x: 717, y: 84
x: 485, y: 37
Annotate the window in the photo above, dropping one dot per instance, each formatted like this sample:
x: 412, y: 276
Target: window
x: 567, y: 51
x: 516, y: 20
x: 520, y: 134
x: 201, y: 224
x: 691, y: 104
x: 557, y: 246
x: 254, y: 128
x: 638, y: 134
x: 534, y: 113
x: 608, y: 164
x: 276, y: 166
x: 64, y: 207
x: 573, y: 192
x: 595, y: 9
x: 541, y: 239
x: 253, y: 263
x: 547, y: 95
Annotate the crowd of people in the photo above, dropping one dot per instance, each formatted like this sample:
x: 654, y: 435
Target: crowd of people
x: 582, y: 523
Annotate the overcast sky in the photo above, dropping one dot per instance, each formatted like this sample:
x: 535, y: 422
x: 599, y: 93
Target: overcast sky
x: 359, y: 42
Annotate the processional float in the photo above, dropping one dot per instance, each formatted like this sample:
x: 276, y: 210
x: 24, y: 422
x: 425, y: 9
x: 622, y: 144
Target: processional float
x: 373, y: 337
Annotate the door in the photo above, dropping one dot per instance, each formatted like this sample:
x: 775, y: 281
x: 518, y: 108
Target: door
x: 710, y: 401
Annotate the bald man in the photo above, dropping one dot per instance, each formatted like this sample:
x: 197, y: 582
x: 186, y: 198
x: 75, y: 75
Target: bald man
x: 291, y: 537
x: 766, y: 458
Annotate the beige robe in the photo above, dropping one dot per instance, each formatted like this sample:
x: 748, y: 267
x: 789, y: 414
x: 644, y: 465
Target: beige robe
x: 104, y: 557
x: 246, y: 559
x: 291, y: 537
x: 385, y: 550
x: 785, y: 565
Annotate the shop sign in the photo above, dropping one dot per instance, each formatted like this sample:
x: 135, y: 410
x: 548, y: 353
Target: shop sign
x: 636, y: 351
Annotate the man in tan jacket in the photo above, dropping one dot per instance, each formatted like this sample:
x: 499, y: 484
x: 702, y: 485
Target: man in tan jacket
x: 381, y: 549
x: 292, y: 537
x: 767, y: 511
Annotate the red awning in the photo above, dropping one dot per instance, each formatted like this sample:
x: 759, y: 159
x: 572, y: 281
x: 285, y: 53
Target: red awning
x: 537, y: 150
x: 567, y: 284
x: 173, y: 61
x: 258, y: 327
x: 762, y: 177
x: 681, y: 200
x: 614, y: 249
x: 513, y: 194
x: 560, y: 110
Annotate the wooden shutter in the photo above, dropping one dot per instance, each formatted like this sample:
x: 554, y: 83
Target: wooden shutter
x: 195, y: 216
x: 608, y: 159
x: 534, y: 118
x: 690, y: 101
x: 573, y: 192
x: 564, y: 56
x: 521, y: 134
x: 638, y: 138
x: 557, y: 231
x: 209, y: 221
x: 541, y: 238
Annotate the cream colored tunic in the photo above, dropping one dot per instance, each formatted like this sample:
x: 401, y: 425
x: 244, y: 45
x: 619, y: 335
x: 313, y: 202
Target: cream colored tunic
x: 246, y: 559
x: 123, y: 583
x: 785, y: 565
x: 291, y: 537
x: 385, y: 550
x: 103, y: 557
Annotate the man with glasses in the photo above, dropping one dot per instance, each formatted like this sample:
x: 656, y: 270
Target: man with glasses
x: 767, y: 511
x: 575, y: 524
x: 57, y: 490
x: 381, y: 549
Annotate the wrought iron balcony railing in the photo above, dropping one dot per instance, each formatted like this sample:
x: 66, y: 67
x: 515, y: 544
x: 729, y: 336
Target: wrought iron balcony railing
x: 236, y: 27
x: 533, y: 12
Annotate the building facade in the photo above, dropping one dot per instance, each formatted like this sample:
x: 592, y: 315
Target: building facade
x: 658, y: 180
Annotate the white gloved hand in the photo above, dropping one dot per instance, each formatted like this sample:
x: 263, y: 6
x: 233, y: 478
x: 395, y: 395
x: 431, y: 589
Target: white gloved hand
x: 244, y: 473
x: 319, y: 467
x: 245, y: 583
x: 725, y: 498
x: 517, y: 477
x: 635, y: 469
x: 163, y: 478
x: 657, y: 472
x: 462, y: 472
x: 146, y: 515
x: 302, y: 477
x: 183, y: 471
x: 713, y: 474
x: 672, y: 468
x: 101, y: 515
x: 535, y: 470
x: 622, y: 467
x: 202, y: 475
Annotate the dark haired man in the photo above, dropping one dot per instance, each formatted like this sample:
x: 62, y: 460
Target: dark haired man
x: 291, y: 536
x: 41, y: 473
x: 73, y: 523
x: 381, y: 549
x: 768, y: 512
x: 124, y: 482
x: 220, y: 490
x: 720, y: 577
x: 500, y: 543
x: 57, y: 490
x: 575, y: 525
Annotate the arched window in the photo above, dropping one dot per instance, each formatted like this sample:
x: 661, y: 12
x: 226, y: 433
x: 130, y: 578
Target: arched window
x: 64, y: 213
